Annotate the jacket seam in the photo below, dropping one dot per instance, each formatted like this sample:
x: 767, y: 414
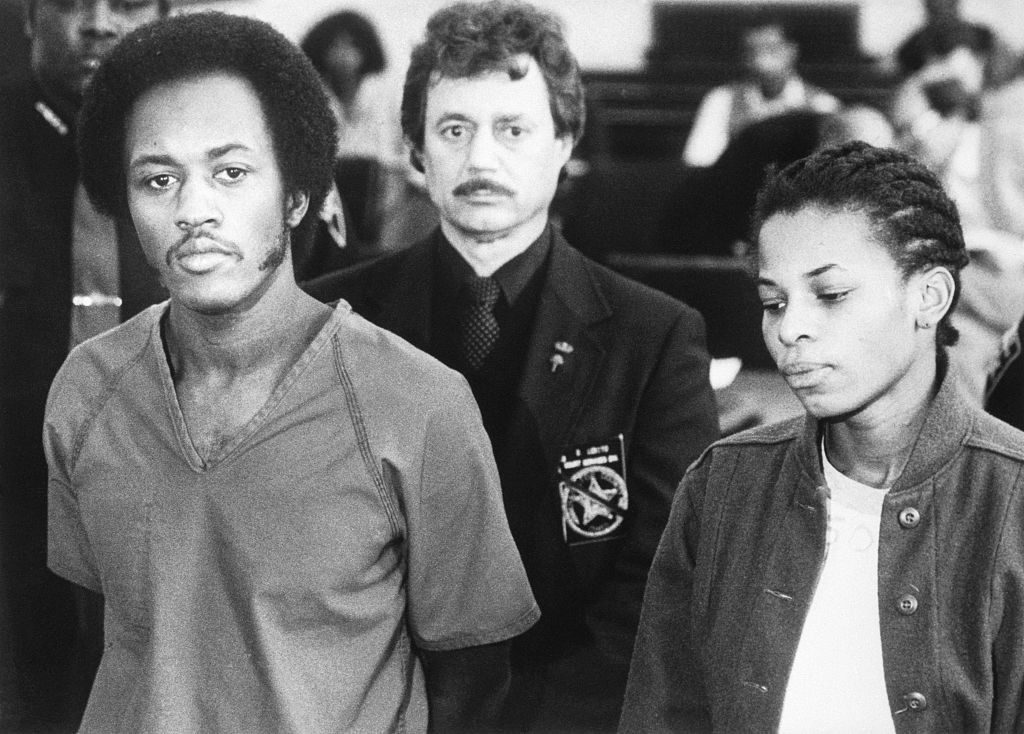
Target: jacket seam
x: 362, y: 437
x: 86, y: 425
x: 719, y: 521
x: 1001, y: 449
x: 999, y: 544
x: 788, y: 429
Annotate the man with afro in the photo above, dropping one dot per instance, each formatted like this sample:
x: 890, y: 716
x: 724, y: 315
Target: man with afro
x: 292, y: 515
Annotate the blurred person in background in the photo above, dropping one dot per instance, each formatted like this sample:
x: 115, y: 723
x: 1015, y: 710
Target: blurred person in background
x: 946, y: 67
x: 67, y: 273
x: 347, y: 52
x: 373, y: 174
x: 709, y: 212
x: 1002, y: 155
x: 951, y: 66
x: 771, y: 86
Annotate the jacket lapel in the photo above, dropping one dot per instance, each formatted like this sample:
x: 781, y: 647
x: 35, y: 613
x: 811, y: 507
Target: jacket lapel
x: 571, y: 305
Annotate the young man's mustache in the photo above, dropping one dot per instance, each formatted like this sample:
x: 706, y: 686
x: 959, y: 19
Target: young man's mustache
x: 195, y: 241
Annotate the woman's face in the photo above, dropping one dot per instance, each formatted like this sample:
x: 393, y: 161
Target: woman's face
x: 840, y: 320
x: 344, y: 59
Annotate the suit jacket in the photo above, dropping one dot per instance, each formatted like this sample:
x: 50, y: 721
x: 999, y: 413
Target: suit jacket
x: 38, y: 175
x: 637, y: 366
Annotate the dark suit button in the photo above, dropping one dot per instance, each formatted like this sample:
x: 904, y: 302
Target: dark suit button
x: 907, y: 604
x: 910, y: 517
x: 916, y: 701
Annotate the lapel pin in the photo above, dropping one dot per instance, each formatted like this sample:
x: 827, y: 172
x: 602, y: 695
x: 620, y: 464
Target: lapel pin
x: 557, y: 360
x: 563, y: 347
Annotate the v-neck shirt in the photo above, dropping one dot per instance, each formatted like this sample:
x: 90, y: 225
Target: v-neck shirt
x: 186, y: 444
x: 285, y: 583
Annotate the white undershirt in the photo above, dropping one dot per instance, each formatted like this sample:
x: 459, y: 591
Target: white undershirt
x: 837, y: 683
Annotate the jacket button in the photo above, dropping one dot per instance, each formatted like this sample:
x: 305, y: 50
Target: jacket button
x: 907, y: 604
x: 909, y: 517
x: 916, y: 701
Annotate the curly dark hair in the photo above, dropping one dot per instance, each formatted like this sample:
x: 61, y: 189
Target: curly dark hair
x: 299, y: 118
x: 348, y: 23
x: 467, y: 39
x: 911, y: 214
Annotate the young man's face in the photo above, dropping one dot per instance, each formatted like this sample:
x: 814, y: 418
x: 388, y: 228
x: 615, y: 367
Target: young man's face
x: 70, y: 37
x: 206, y: 194
x: 490, y: 154
x: 768, y: 56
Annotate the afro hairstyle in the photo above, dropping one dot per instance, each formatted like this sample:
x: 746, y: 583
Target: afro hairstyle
x: 301, y: 124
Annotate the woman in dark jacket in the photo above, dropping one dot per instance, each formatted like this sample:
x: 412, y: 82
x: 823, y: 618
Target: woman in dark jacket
x: 862, y: 568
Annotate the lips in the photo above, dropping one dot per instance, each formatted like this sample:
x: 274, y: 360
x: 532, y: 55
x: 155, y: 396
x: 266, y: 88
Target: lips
x: 201, y: 255
x: 804, y: 375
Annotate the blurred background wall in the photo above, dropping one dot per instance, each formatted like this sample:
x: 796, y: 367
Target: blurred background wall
x: 613, y: 34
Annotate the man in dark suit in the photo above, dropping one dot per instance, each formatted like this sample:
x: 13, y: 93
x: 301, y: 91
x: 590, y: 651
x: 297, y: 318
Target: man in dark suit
x: 593, y: 389
x: 65, y: 273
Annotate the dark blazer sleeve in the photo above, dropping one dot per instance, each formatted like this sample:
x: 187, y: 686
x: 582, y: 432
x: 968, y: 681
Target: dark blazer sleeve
x: 676, y: 419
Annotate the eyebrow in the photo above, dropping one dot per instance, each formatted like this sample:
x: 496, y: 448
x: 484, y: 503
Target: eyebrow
x: 822, y: 270
x: 449, y: 116
x: 459, y: 117
x: 761, y: 280
x: 161, y: 159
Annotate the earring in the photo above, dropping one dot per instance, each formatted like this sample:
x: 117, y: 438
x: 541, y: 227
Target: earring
x: 923, y: 323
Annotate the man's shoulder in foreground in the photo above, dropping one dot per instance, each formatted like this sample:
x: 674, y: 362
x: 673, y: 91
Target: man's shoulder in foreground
x: 378, y: 359
x: 92, y: 369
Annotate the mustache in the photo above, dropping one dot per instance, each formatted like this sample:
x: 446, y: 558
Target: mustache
x: 481, y: 184
x: 188, y: 244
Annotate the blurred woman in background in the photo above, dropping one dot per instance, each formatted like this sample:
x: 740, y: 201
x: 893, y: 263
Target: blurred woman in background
x: 373, y: 172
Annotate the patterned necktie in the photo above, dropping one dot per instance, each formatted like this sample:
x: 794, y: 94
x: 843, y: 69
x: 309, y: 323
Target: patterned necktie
x: 479, y: 326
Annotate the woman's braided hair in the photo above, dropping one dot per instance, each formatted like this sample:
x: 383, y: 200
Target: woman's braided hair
x: 912, y: 216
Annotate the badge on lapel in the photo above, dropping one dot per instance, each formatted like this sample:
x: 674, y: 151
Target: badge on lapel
x: 592, y: 487
x: 557, y: 359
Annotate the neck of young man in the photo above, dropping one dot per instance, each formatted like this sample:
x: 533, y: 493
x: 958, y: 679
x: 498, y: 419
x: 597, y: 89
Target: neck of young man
x: 268, y: 334
x: 874, y: 446
x: 485, y: 252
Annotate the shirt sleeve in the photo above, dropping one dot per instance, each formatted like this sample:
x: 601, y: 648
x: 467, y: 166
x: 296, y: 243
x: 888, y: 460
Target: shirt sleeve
x: 69, y: 553
x: 710, y: 132
x: 467, y: 585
